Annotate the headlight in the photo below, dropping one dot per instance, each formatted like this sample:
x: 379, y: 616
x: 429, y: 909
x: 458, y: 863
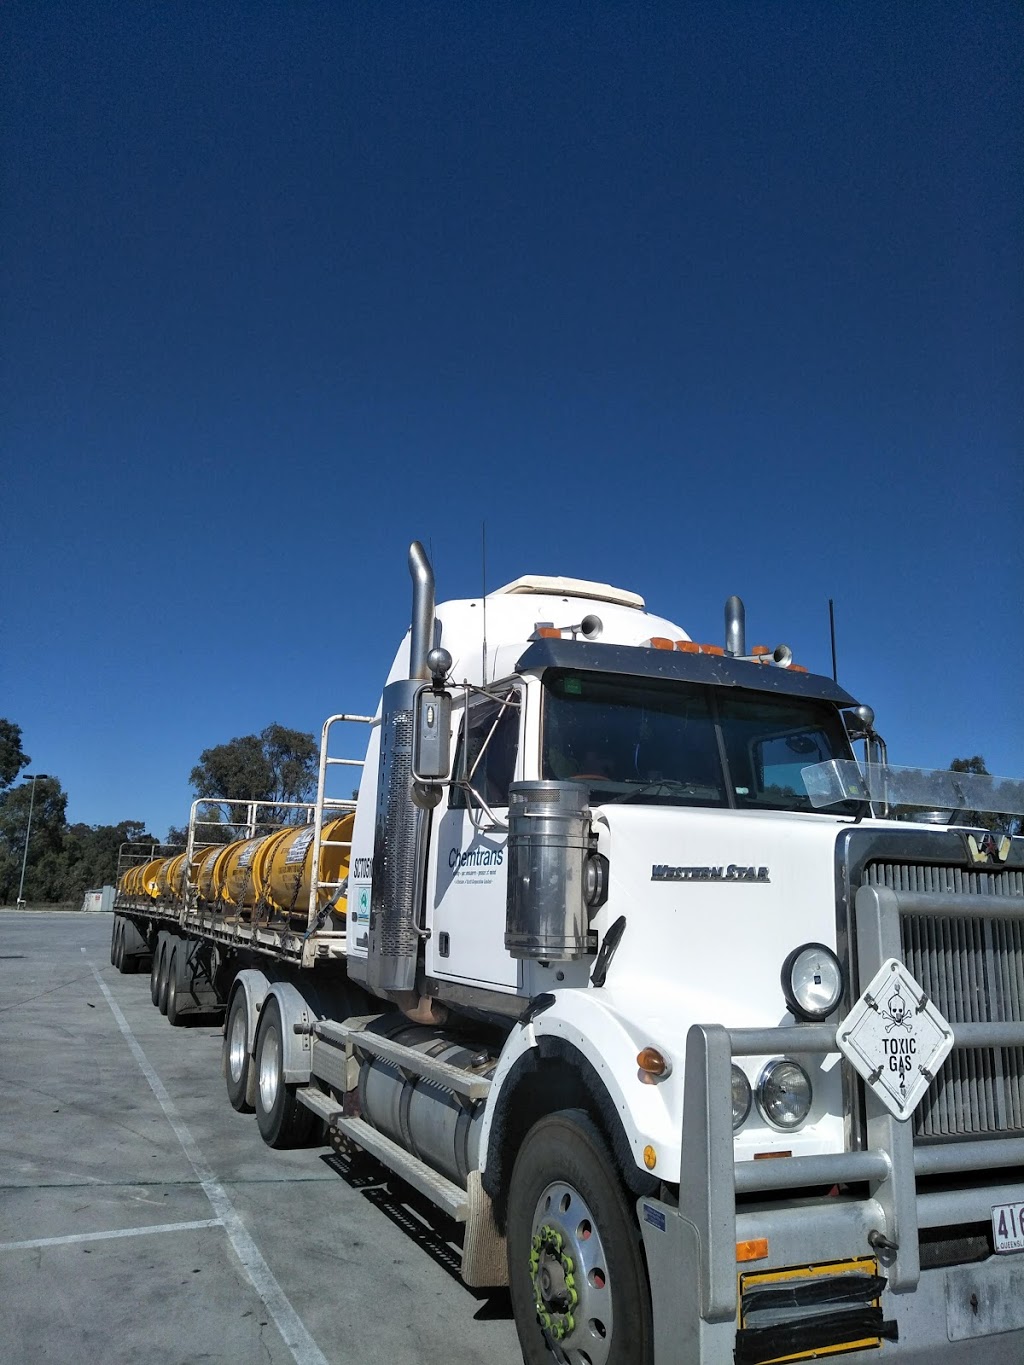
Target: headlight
x: 740, y: 1097
x: 812, y: 981
x: 784, y: 1094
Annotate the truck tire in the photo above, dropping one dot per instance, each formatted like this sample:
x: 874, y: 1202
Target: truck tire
x: 283, y: 1120
x: 566, y: 1198
x: 162, y: 981
x: 117, y: 956
x: 177, y: 953
x: 115, y: 929
x: 236, y: 1053
x: 154, y: 971
x: 127, y: 962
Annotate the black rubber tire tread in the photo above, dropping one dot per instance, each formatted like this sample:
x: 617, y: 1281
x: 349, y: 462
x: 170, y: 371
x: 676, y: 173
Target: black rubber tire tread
x: 126, y: 963
x: 289, y: 1123
x: 236, y: 1093
x: 119, y: 949
x: 165, y: 963
x: 115, y: 929
x: 131, y: 962
x: 174, y: 1017
x: 568, y: 1146
x: 154, y: 973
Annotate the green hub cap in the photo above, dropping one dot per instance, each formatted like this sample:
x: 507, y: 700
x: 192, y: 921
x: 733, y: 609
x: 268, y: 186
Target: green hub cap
x: 569, y: 1274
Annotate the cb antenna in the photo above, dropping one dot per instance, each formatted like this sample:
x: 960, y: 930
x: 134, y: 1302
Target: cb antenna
x: 483, y: 603
x: 832, y: 633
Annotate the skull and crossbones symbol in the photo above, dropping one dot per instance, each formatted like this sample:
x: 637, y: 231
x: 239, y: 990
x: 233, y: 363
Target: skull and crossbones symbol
x: 898, y: 1012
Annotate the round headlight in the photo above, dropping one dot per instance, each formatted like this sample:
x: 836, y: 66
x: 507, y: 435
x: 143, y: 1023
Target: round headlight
x: 812, y: 981
x: 784, y: 1094
x: 741, y: 1097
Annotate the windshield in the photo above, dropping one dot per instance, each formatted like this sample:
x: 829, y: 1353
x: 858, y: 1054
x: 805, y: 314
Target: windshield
x: 685, y: 744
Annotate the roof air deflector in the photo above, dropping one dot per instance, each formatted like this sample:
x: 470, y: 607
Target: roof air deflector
x: 540, y: 585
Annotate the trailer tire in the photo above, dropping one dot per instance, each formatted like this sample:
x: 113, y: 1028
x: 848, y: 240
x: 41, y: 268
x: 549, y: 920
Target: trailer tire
x: 284, y: 1121
x: 174, y: 1018
x: 565, y: 1190
x: 154, y: 971
x: 114, y: 932
x: 164, y: 974
x: 237, y: 1061
x: 127, y: 963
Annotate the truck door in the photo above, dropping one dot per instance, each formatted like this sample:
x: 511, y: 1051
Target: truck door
x: 468, y: 870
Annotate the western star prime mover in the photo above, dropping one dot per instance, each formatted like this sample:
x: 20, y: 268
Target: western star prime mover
x: 710, y: 1034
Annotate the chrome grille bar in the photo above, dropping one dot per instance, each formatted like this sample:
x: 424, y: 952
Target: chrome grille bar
x: 961, y: 934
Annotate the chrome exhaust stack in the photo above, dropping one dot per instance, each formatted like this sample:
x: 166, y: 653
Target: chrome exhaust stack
x: 735, y: 628
x: 421, y: 638
x: 401, y: 826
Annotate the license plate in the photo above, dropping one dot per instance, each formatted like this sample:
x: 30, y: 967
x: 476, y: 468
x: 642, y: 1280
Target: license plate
x: 1008, y: 1227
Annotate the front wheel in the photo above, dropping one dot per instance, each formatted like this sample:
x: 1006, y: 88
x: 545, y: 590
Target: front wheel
x: 576, y: 1271
x: 284, y: 1121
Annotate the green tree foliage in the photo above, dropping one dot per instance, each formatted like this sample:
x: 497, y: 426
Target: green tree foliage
x: 48, y: 825
x: 276, y: 765
x: 969, y: 765
x: 88, y: 857
x: 12, y: 757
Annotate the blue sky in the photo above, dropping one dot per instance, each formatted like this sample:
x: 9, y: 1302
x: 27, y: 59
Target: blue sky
x: 693, y: 299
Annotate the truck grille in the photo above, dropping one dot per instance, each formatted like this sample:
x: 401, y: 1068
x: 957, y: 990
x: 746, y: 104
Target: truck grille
x: 974, y: 971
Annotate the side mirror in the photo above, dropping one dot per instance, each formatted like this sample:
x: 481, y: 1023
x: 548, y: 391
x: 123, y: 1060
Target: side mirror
x: 432, y: 728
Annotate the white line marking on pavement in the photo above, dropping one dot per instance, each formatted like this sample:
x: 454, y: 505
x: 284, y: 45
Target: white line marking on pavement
x: 293, y: 1330
x: 104, y: 1236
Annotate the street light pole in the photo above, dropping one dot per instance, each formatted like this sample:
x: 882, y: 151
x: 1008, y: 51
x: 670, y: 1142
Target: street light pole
x: 36, y: 777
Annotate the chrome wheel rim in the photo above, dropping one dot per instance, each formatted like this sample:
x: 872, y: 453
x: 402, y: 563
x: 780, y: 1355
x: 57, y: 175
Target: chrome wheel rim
x: 270, y: 1069
x: 569, y: 1276
x: 236, y: 1047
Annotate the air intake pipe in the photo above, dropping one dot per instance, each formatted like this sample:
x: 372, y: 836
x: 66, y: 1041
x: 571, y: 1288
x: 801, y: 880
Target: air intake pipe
x: 421, y: 638
x: 735, y: 628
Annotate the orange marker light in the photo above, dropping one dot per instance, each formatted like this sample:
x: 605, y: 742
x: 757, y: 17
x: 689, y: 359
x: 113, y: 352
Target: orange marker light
x: 712, y: 649
x: 687, y: 647
x: 754, y: 1250
x: 650, y: 1158
x: 760, y: 649
x: 653, y: 1062
x: 659, y: 642
x: 548, y: 633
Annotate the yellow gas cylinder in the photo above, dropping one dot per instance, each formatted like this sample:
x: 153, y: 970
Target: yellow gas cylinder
x: 149, y: 878
x: 233, y: 880
x: 171, y: 878
x: 286, y: 867
x: 261, y: 861
x: 203, y: 860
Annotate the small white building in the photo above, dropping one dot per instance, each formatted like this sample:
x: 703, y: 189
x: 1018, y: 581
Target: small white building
x: 100, y: 900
